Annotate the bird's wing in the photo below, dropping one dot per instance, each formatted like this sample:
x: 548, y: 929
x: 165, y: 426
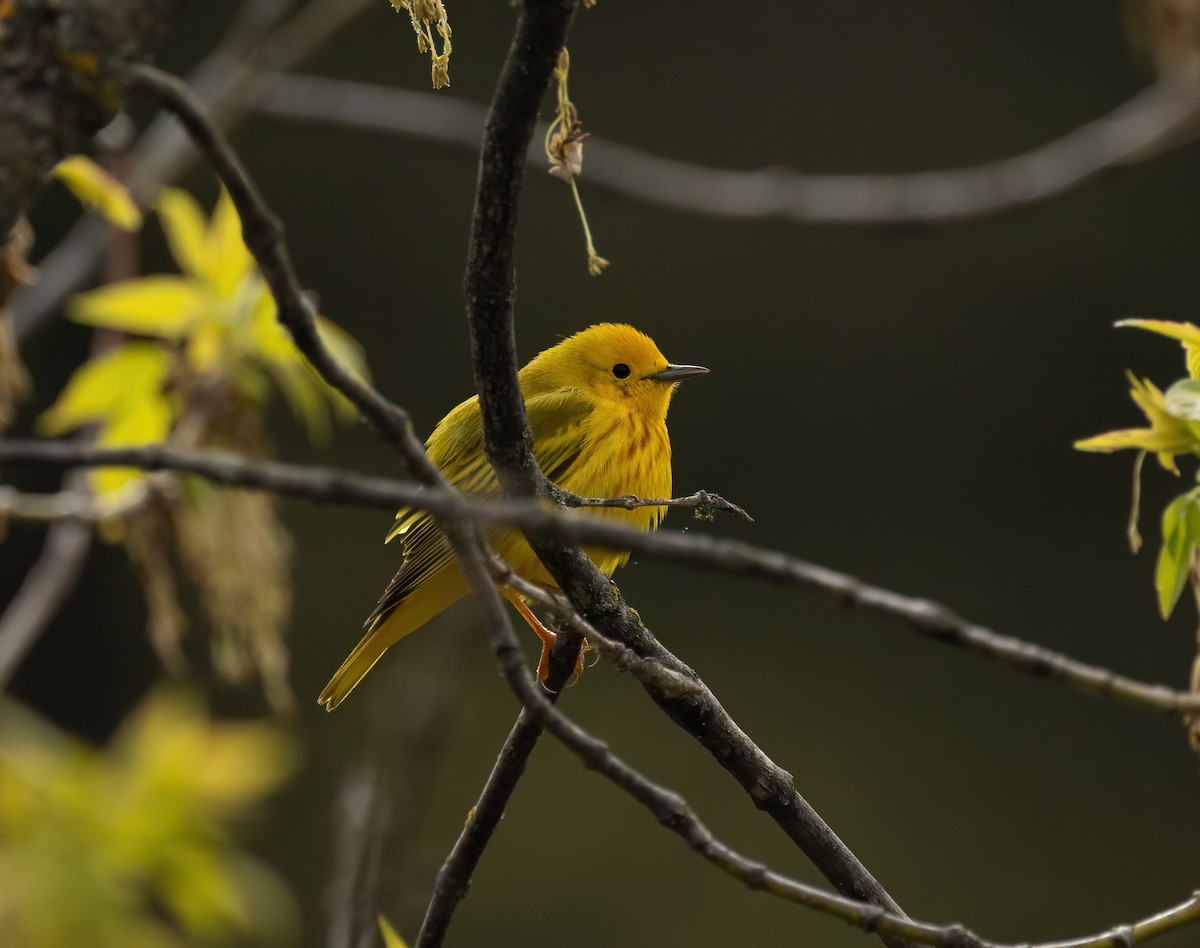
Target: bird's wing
x: 456, y: 447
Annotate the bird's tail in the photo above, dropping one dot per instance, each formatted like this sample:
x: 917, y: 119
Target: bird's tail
x: 360, y: 661
x: 412, y: 612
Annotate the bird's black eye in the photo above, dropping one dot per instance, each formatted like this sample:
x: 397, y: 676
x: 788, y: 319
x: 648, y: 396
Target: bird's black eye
x: 621, y: 370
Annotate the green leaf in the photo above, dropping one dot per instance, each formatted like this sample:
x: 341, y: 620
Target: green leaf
x: 391, y: 939
x: 1182, y: 400
x: 1175, y: 556
x: 128, y: 844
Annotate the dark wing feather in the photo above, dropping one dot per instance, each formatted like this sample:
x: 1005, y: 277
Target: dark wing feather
x: 456, y: 447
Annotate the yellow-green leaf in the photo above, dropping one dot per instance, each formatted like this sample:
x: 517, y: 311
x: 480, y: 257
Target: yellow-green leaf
x: 346, y: 350
x: 1188, y: 335
x: 146, y: 421
x: 163, y: 306
x: 1166, y: 437
x: 391, y: 938
x: 206, y: 346
x: 301, y: 385
x: 1184, y: 332
x: 184, y: 224
x: 1175, y: 556
x: 135, y: 372
x: 97, y: 189
x: 302, y: 389
x: 229, y: 259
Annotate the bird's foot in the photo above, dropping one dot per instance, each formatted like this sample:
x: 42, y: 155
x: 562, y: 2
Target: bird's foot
x: 543, y: 669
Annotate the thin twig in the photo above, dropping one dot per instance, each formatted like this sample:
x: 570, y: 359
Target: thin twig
x: 704, y: 505
x: 324, y: 485
x: 73, y: 505
x: 70, y: 504
x: 1158, y: 118
x: 45, y: 588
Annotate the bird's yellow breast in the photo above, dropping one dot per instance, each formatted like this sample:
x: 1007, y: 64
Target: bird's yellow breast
x: 623, y: 452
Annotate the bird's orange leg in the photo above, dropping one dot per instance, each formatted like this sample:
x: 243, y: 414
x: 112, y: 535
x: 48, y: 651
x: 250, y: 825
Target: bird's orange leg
x: 548, y: 637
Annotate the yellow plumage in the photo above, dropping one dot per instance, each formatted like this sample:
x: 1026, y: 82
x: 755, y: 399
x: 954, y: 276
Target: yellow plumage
x: 597, y: 405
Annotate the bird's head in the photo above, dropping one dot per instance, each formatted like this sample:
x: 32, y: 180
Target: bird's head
x: 612, y: 362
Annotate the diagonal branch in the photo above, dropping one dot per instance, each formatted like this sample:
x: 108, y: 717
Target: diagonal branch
x: 673, y: 812
x: 454, y: 877
x: 667, y: 807
x: 541, y: 33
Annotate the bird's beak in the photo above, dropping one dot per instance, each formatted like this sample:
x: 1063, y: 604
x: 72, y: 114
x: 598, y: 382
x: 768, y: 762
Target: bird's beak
x: 677, y: 373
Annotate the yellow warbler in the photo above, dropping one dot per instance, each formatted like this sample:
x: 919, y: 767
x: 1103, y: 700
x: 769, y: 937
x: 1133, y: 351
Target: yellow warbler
x: 597, y: 404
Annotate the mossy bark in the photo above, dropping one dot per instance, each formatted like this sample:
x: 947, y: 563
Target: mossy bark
x: 62, y: 68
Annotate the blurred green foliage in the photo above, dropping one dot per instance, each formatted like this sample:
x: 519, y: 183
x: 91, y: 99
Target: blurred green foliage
x: 129, y: 845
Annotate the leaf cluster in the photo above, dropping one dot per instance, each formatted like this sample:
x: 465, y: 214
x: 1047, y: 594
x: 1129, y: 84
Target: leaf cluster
x: 1174, y: 430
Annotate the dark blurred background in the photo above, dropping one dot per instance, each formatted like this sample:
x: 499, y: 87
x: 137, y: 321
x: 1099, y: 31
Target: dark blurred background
x: 896, y: 403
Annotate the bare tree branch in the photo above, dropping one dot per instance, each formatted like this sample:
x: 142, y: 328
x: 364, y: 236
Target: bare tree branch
x: 672, y: 811
x: 454, y: 877
x: 325, y: 485
x: 1161, y: 117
